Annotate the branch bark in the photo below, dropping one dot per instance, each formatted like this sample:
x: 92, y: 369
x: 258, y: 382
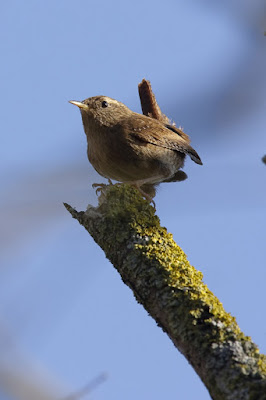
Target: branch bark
x: 172, y: 291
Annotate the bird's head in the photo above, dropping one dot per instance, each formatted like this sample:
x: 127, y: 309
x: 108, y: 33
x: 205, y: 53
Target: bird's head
x: 101, y: 111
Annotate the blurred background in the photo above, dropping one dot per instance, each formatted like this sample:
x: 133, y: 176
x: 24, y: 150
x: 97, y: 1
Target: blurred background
x: 66, y: 318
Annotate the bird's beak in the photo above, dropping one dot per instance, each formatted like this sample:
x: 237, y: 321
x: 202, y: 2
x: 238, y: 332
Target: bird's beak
x: 79, y: 104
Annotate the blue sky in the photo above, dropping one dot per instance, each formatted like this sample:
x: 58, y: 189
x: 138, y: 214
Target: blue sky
x: 64, y: 309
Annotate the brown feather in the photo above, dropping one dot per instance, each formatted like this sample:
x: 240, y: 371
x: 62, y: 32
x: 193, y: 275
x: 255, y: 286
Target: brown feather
x: 143, y: 129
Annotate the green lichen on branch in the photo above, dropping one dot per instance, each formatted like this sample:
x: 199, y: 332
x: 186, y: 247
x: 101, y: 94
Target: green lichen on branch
x: 173, y: 293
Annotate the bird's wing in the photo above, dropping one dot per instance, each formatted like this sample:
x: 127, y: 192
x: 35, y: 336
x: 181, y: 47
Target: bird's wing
x: 142, y: 129
x: 179, y: 132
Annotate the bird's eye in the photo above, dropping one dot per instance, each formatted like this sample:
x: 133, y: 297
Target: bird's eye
x: 104, y: 104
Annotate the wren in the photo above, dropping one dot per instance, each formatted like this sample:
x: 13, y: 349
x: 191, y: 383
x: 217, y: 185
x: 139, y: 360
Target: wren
x: 133, y: 148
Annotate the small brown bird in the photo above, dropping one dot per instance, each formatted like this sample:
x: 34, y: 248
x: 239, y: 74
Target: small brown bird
x: 130, y: 147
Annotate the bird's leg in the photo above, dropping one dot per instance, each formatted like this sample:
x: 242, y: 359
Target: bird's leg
x: 143, y: 194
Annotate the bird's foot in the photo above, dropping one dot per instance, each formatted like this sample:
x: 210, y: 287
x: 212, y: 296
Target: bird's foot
x: 145, y: 195
x: 101, y: 186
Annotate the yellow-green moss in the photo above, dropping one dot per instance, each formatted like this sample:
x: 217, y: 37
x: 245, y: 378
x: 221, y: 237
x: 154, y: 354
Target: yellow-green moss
x: 261, y: 362
x: 160, y: 249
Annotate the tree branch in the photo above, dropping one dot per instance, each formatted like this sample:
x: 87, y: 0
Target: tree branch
x: 172, y: 291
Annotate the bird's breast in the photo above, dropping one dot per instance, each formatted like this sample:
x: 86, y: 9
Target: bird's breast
x: 115, y: 157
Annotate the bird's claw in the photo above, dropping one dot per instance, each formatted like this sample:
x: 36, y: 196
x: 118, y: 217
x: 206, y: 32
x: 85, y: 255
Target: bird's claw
x: 101, y: 186
x: 153, y: 204
x: 145, y: 195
